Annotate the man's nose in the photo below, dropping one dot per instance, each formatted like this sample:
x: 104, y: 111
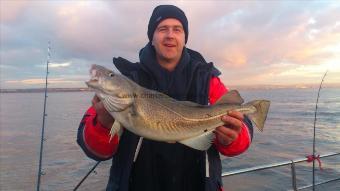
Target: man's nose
x: 170, y: 33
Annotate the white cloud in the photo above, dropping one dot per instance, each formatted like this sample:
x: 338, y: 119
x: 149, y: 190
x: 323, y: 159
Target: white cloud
x: 311, y: 21
x: 59, y: 65
x: 337, y: 24
x: 311, y: 34
x: 55, y: 65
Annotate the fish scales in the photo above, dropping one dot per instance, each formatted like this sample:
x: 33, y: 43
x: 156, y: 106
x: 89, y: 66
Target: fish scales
x: 172, y: 126
x: 179, y: 126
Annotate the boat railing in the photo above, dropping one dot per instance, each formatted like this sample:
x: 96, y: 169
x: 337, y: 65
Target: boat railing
x: 283, y: 163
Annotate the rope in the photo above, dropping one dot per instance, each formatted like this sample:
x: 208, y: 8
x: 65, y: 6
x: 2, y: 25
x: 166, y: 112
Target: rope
x: 312, y: 158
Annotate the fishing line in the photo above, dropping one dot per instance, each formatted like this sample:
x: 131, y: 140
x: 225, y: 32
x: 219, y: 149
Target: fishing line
x: 44, y: 116
x: 314, y: 128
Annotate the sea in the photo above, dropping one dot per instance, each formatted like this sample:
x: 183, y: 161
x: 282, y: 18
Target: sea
x: 287, y: 135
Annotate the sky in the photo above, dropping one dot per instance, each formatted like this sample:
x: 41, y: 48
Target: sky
x: 250, y: 42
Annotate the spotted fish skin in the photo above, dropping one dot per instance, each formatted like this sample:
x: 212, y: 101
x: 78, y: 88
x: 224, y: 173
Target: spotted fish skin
x: 156, y: 116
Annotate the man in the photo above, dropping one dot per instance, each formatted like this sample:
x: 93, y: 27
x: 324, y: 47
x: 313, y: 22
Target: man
x: 167, y: 66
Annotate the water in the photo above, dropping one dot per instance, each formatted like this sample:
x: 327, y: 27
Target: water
x: 288, y: 135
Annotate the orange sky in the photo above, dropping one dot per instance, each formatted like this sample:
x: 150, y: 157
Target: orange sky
x: 251, y: 42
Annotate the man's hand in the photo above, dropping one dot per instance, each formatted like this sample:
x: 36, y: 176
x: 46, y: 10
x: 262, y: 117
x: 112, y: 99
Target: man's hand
x: 103, y: 116
x: 227, y: 133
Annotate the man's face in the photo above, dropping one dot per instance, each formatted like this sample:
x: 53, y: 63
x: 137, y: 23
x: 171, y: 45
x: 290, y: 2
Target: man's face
x: 169, y: 40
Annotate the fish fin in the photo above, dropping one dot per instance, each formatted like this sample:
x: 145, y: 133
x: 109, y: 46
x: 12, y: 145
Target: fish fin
x: 116, y: 104
x: 232, y: 97
x: 116, y: 128
x: 201, y: 142
x: 259, y: 117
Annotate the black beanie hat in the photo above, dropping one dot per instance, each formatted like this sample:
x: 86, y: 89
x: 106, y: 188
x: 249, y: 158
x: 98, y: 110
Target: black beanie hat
x: 162, y: 12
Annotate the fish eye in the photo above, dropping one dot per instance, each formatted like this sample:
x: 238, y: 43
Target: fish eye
x: 111, y: 74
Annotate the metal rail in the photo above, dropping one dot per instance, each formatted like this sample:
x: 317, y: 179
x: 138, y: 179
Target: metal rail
x: 279, y: 164
x: 323, y: 182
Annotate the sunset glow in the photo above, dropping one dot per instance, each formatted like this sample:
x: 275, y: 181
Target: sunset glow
x: 251, y: 42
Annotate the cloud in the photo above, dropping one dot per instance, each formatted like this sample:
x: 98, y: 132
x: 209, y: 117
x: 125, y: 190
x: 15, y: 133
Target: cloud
x: 59, y: 65
x: 253, y: 50
x: 3, y: 67
x: 249, y: 41
x: 56, y: 65
x: 40, y: 83
x: 12, y: 11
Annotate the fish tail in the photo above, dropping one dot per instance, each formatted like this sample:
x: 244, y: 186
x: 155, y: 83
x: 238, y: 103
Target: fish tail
x: 259, y: 117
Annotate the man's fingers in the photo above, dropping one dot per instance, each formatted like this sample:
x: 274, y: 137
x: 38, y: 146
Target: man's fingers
x: 224, y: 135
x: 95, y: 100
x: 232, y: 122
x: 103, y: 116
x: 231, y: 129
x: 226, y: 132
x: 236, y: 114
x: 99, y: 107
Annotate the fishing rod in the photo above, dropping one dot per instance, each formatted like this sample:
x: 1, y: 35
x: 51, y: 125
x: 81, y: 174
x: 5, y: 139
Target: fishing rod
x: 314, y: 128
x: 44, y: 116
x: 82, y: 180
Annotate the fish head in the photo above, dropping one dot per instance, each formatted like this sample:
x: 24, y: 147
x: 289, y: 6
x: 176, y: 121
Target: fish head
x: 108, y: 81
x: 110, y: 85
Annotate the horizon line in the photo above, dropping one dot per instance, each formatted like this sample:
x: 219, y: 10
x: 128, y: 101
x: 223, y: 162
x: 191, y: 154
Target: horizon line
x: 234, y: 86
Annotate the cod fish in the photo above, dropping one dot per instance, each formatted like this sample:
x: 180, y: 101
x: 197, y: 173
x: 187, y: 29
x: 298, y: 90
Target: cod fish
x: 156, y: 116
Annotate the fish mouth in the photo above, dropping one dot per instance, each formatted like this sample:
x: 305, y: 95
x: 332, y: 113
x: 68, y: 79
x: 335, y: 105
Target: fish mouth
x: 94, y: 73
x: 92, y: 83
x: 94, y: 78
